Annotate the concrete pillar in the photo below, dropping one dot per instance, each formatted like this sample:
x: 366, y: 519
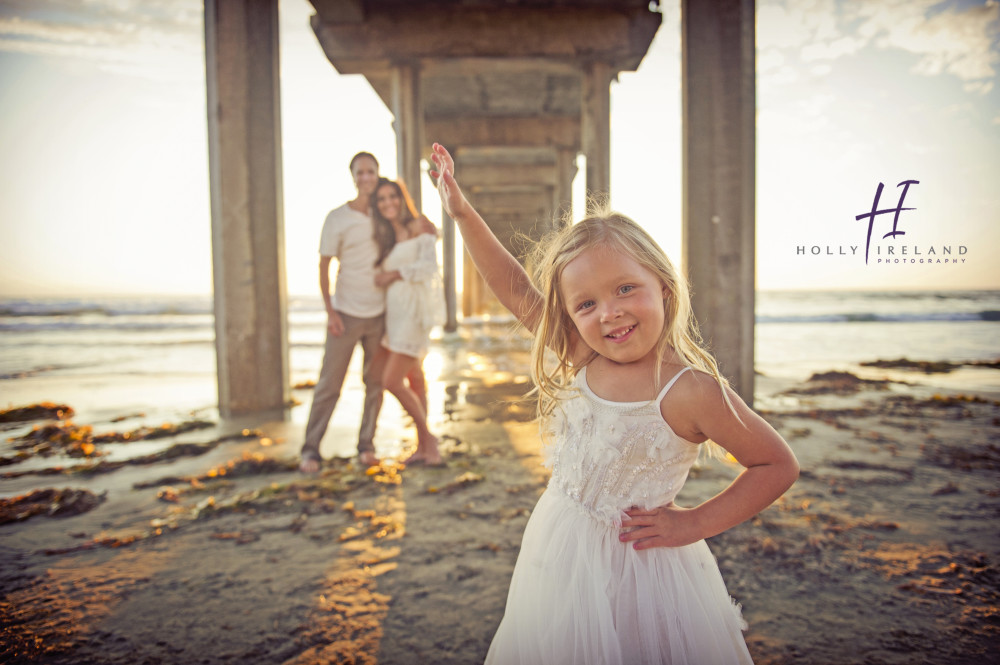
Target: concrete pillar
x: 248, y: 243
x: 408, y: 111
x: 718, y: 101
x: 563, y: 191
x: 595, y: 125
x: 474, y: 289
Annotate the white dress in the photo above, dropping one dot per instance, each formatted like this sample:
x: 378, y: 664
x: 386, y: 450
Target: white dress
x: 580, y: 596
x: 413, y: 304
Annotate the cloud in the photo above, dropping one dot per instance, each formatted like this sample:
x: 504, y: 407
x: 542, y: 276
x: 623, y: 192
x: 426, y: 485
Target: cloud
x: 955, y: 40
x: 978, y: 87
x: 831, y: 50
x: 948, y: 38
x: 787, y: 24
x: 777, y: 27
x: 156, y: 39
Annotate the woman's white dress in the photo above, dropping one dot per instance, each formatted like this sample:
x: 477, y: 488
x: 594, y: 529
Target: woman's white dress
x: 413, y: 304
x: 580, y: 596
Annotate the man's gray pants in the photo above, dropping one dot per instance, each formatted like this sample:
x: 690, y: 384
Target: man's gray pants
x: 336, y: 358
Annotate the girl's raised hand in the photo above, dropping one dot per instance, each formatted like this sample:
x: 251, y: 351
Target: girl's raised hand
x: 665, y: 526
x: 451, y: 195
x: 502, y: 272
x: 443, y: 161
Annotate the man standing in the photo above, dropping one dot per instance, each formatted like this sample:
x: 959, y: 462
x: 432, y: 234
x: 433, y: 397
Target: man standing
x: 355, y: 313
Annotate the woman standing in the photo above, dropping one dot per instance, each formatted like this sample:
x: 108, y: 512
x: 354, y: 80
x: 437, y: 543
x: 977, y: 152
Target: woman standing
x: 408, y: 270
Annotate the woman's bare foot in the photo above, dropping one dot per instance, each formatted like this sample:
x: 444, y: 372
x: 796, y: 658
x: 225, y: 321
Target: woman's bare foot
x: 416, y: 458
x: 434, y: 459
x: 430, y: 454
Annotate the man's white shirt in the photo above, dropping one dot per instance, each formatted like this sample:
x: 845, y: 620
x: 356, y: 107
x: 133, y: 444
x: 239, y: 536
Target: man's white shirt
x: 348, y: 237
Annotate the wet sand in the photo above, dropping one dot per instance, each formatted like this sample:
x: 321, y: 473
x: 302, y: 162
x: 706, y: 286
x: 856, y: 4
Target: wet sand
x: 885, y: 551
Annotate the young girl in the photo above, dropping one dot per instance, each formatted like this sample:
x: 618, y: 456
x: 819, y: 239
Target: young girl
x: 610, y: 570
x: 408, y: 270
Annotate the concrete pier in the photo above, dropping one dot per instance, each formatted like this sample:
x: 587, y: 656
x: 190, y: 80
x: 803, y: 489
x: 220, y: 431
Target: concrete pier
x: 248, y: 245
x: 516, y: 89
x: 719, y: 108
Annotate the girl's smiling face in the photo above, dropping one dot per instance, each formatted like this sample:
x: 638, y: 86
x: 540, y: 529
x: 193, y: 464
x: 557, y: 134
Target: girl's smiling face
x: 389, y: 203
x: 615, y: 303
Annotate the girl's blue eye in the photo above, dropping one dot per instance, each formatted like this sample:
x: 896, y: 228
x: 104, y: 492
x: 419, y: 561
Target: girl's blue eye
x: 626, y: 288
x: 586, y: 304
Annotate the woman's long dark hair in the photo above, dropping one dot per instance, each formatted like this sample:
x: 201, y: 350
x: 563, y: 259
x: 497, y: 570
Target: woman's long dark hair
x: 384, y: 234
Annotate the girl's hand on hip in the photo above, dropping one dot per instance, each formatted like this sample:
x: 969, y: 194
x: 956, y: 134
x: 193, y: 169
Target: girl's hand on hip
x: 664, y: 526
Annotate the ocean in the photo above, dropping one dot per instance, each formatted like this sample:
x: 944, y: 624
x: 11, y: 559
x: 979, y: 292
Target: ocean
x: 800, y: 332
x: 115, y: 356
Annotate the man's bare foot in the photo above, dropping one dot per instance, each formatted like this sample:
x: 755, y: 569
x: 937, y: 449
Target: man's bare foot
x: 309, y: 465
x: 367, y: 458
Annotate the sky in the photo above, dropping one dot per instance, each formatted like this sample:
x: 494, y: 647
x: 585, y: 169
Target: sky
x: 104, y: 158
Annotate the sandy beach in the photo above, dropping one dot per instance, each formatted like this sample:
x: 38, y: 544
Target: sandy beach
x: 209, y: 547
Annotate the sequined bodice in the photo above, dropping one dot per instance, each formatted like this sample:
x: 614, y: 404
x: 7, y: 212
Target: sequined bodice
x: 610, y: 456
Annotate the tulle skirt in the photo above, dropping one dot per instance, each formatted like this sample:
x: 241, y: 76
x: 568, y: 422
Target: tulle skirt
x: 579, y: 596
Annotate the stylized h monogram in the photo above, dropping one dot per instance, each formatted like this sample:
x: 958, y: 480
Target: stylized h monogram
x: 895, y: 220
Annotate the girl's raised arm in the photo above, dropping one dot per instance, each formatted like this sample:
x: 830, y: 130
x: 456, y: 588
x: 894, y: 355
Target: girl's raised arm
x: 502, y: 272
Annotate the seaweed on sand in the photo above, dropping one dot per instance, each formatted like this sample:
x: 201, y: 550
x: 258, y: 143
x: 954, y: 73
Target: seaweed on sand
x: 51, y: 502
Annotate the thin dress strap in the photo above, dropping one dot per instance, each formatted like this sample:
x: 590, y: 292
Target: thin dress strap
x: 670, y: 384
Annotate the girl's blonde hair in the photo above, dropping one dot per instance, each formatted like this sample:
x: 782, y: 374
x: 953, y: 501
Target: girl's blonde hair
x: 613, y: 231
